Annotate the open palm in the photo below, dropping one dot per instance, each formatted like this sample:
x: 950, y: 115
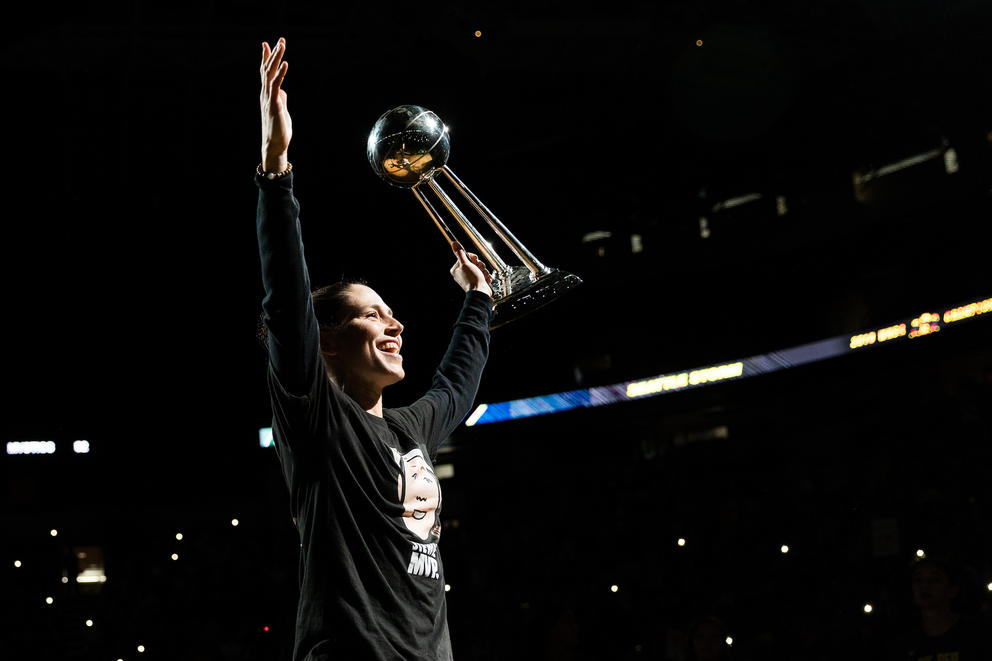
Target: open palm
x: 277, y: 125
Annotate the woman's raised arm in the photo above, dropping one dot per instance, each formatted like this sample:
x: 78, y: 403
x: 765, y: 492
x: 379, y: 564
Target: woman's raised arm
x: 293, y: 338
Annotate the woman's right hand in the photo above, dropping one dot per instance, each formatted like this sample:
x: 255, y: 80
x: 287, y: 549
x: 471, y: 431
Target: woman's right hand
x: 277, y: 126
x: 470, y: 272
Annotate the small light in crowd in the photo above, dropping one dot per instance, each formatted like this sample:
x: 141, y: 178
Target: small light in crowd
x: 53, y: 532
x: 785, y: 548
x: 447, y: 588
x: 681, y: 541
x: 179, y: 537
x: 636, y: 243
x: 17, y: 563
x: 781, y: 205
x: 49, y: 600
x: 478, y: 33
x: 868, y: 608
x: 234, y: 522
x: 81, y: 447
x: 699, y: 42
x: 951, y: 161
x: 89, y: 623
x: 175, y: 556
x: 265, y: 628
x: 614, y: 588
x: 989, y: 586
x: 141, y: 648
x: 65, y: 579
x: 920, y: 553
x: 729, y: 641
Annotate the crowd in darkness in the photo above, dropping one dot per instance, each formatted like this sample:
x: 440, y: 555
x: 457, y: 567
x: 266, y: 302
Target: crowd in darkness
x: 561, y: 535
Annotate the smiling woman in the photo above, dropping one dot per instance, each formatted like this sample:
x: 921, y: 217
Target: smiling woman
x: 361, y: 347
x: 361, y: 482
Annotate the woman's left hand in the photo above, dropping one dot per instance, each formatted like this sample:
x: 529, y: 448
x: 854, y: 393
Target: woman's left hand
x: 277, y: 125
x: 469, y: 271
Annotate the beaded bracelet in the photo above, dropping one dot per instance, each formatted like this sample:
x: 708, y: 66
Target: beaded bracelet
x: 273, y: 175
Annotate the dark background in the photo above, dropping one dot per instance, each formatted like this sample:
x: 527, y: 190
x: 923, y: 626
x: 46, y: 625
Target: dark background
x: 132, y: 293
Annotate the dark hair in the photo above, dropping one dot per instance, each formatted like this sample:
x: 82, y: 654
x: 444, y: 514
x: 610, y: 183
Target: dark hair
x: 327, y: 303
x: 945, y: 562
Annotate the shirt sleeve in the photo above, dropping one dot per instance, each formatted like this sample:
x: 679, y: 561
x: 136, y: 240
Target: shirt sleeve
x: 293, y: 335
x: 456, y: 381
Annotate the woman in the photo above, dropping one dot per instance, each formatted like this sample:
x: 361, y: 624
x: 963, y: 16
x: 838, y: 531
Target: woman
x: 360, y: 476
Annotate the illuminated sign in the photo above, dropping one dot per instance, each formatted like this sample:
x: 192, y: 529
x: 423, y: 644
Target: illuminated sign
x: 968, y: 311
x: 863, y: 340
x: 31, y: 447
x: 928, y: 323
x: 658, y: 384
x: 880, y: 335
x: 892, y: 332
x: 43, y: 447
x: 678, y: 381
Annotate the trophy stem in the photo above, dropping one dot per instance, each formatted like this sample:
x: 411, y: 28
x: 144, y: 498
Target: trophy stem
x: 532, y: 263
x: 487, y: 252
x: 435, y: 216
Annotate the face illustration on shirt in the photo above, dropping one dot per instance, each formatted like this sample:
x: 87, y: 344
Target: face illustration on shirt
x: 420, y: 492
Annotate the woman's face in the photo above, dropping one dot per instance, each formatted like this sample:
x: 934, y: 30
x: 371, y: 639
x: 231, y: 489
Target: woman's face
x: 366, y: 347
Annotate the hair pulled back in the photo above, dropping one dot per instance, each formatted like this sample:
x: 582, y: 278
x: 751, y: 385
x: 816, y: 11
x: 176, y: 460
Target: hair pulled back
x: 327, y: 304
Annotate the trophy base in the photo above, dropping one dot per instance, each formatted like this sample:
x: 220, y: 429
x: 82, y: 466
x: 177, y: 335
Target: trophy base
x: 524, y: 294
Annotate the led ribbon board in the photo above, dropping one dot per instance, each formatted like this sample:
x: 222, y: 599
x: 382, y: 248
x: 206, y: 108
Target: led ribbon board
x: 928, y: 323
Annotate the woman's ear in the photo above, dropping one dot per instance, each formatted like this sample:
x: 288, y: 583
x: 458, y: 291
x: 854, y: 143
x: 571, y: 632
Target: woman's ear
x: 328, y: 344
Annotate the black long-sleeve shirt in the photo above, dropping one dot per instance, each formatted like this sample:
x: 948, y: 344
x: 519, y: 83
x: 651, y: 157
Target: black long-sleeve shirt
x: 362, y: 488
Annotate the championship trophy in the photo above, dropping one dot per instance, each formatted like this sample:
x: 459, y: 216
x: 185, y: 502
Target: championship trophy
x: 409, y: 147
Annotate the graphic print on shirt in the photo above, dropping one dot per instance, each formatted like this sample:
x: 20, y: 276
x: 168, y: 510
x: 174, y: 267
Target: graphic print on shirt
x: 423, y: 561
x: 420, y: 493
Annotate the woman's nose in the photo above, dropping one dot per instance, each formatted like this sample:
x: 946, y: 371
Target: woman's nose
x: 394, y: 327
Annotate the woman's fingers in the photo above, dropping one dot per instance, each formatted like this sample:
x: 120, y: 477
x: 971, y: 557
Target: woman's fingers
x: 272, y: 61
x: 481, y: 265
x: 275, y: 58
x: 277, y: 81
x: 469, y: 259
x: 266, y: 51
x: 273, y: 69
